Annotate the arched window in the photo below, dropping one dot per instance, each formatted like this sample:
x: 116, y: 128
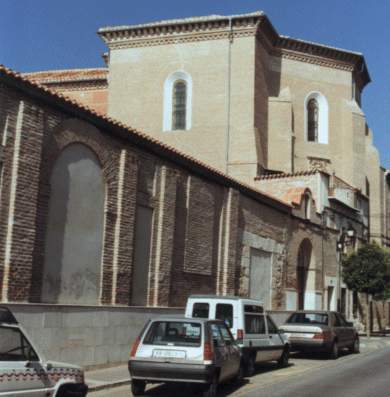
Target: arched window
x: 312, y: 120
x: 177, y: 112
x: 316, y: 118
x: 179, y: 105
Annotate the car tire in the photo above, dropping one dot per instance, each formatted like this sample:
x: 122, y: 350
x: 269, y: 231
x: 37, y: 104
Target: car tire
x: 70, y: 391
x: 138, y: 387
x: 334, y: 351
x: 283, y: 360
x: 240, y: 374
x: 211, y: 388
x: 355, y: 347
x: 250, y: 366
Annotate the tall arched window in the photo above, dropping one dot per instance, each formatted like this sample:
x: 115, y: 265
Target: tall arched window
x: 312, y: 120
x: 177, y: 112
x: 316, y: 118
x: 179, y: 101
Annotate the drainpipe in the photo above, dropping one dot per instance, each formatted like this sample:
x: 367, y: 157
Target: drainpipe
x: 229, y: 73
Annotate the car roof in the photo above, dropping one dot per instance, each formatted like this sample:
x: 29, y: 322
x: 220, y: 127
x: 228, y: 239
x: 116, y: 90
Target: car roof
x: 313, y: 311
x: 183, y: 318
x: 225, y: 297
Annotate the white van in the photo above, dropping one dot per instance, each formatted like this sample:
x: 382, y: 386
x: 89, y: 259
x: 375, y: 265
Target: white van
x: 255, y: 332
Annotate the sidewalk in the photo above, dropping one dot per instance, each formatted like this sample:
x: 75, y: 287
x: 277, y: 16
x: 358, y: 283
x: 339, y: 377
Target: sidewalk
x: 106, y: 378
x: 374, y: 342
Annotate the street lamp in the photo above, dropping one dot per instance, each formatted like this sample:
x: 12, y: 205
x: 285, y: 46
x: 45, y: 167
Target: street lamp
x: 346, y: 238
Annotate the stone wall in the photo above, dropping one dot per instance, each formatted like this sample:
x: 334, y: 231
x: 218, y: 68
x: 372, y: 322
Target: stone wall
x: 85, y: 335
x: 90, y: 335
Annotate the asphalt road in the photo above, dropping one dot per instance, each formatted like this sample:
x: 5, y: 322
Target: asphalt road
x: 361, y: 375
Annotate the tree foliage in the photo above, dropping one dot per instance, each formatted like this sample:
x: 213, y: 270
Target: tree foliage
x: 368, y: 270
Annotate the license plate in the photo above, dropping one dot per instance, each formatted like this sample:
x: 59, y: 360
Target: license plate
x: 169, y: 354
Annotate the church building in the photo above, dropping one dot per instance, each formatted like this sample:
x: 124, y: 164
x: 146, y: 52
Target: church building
x: 209, y: 155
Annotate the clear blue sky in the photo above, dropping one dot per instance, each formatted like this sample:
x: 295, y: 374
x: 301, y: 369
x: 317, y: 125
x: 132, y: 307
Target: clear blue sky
x: 57, y: 34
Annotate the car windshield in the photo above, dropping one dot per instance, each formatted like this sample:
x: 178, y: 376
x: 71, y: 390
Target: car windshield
x: 174, y: 333
x: 308, y: 318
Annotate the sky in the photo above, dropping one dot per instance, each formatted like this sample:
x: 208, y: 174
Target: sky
x: 61, y: 34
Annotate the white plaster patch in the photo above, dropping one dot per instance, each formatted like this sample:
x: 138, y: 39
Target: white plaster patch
x: 11, y: 214
x: 122, y: 162
x: 291, y: 300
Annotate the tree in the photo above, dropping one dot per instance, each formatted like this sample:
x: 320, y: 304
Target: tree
x: 368, y: 271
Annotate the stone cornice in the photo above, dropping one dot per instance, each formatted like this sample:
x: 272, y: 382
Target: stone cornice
x: 313, y: 59
x: 179, y: 27
x: 185, y: 38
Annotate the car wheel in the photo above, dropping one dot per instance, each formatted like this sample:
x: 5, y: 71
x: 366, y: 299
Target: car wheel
x: 250, y: 366
x: 240, y: 374
x: 334, y: 351
x: 283, y: 360
x: 355, y: 347
x: 211, y: 388
x: 138, y: 387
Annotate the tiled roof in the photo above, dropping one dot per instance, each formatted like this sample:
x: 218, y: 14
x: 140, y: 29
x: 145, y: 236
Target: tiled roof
x: 135, y: 136
x: 294, y: 195
x: 181, y: 21
x: 67, y: 75
x: 287, y: 175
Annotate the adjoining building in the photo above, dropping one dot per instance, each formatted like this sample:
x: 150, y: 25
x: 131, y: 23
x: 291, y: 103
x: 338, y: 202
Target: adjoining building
x: 253, y: 173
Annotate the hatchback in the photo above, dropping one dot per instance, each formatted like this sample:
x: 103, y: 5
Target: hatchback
x: 190, y: 350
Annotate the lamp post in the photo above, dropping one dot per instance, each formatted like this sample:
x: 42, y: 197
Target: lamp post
x: 346, y: 238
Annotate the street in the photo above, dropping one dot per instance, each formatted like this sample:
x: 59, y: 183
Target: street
x: 363, y: 375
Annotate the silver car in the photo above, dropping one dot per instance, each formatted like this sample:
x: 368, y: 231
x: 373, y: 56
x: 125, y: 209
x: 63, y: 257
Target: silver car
x: 320, y: 331
x: 191, y: 350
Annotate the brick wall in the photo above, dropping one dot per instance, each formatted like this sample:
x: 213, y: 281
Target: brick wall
x: 197, y: 228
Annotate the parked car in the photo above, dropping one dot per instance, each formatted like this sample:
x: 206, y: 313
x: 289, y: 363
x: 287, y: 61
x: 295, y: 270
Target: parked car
x: 25, y: 372
x: 253, y: 329
x: 325, y: 331
x: 178, y: 349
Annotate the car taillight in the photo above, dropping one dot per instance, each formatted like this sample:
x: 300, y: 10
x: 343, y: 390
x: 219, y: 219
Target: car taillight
x: 134, y: 348
x: 208, y: 351
x: 324, y: 335
x: 240, y: 335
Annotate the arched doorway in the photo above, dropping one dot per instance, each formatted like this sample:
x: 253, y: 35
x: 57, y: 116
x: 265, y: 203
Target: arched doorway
x: 305, y: 276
